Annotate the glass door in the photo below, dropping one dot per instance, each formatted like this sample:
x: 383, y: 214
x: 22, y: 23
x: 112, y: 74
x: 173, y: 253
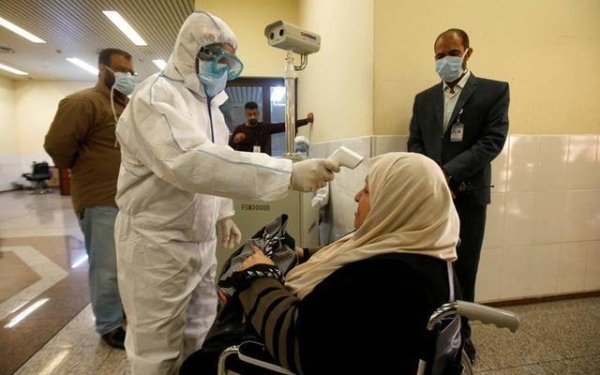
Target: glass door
x: 268, y: 93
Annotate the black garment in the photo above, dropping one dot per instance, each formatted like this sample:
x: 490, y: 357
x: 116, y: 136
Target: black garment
x: 472, y: 220
x: 259, y: 135
x: 484, y: 105
x: 366, y: 317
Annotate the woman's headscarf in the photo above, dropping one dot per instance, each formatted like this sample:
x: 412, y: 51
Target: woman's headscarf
x: 411, y: 212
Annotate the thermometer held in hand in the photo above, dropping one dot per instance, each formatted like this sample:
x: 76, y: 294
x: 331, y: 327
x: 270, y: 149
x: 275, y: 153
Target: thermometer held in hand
x: 346, y: 157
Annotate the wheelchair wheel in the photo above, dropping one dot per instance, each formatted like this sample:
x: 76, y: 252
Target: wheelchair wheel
x: 466, y: 363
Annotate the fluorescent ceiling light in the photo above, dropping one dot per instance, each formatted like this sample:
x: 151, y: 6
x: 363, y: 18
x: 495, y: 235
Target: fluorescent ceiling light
x: 126, y: 28
x: 160, y: 63
x: 17, y: 30
x: 25, y: 313
x: 13, y: 70
x: 83, y: 65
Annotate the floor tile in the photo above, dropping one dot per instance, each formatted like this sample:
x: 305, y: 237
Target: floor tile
x: 577, y: 366
x: 500, y: 348
x: 572, y: 335
x: 116, y: 364
x: 75, y: 360
x: 556, y: 307
x: 522, y: 370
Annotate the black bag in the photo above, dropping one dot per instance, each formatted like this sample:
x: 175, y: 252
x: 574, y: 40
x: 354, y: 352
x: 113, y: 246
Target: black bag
x: 229, y: 327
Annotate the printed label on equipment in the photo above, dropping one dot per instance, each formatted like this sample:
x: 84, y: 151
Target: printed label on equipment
x: 256, y: 207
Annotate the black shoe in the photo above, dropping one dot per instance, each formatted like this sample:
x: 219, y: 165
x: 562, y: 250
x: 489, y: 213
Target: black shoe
x: 115, y: 338
x: 469, y: 349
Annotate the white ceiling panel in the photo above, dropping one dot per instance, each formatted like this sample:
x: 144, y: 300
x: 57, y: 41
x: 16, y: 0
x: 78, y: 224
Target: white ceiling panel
x: 78, y: 28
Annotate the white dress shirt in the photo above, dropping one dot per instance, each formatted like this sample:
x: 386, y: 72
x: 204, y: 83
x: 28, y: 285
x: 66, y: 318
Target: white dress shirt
x: 451, y: 97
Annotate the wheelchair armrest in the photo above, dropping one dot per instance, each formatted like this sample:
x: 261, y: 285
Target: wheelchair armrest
x: 488, y: 315
x: 256, y: 354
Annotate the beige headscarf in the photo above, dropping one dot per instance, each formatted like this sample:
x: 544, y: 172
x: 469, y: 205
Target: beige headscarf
x: 411, y: 212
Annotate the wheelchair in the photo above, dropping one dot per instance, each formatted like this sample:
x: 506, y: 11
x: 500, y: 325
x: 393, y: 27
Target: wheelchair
x: 443, y: 354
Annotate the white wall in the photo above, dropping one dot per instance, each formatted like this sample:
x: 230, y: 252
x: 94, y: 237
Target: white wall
x: 337, y: 84
x: 36, y: 103
x: 10, y: 163
x: 27, y: 109
x: 546, y: 49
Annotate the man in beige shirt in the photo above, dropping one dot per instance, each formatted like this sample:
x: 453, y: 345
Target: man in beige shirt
x: 82, y: 138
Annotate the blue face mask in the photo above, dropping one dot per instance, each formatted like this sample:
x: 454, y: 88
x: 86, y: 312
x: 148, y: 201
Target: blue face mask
x: 450, y: 68
x: 213, y: 82
x: 124, y: 82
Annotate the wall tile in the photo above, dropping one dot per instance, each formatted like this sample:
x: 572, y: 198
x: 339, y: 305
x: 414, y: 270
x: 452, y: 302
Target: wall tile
x: 581, y: 161
x: 494, y: 226
x: 519, y: 219
x: 388, y: 143
x: 500, y: 169
x: 543, y: 275
x: 488, y: 275
x: 552, y: 162
x: 580, y: 210
x: 522, y: 163
x: 516, y: 268
x: 571, y: 268
x: 592, y: 266
x: 596, y: 169
x: 549, y: 216
x: 594, y: 218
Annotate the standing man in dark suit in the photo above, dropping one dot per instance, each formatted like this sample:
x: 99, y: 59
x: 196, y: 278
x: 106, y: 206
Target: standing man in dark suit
x: 462, y: 124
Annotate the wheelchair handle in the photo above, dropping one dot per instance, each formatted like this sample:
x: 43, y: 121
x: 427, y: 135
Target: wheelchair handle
x: 488, y: 315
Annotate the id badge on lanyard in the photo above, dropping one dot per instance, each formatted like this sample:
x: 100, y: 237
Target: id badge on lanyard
x: 256, y: 148
x: 457, y: 130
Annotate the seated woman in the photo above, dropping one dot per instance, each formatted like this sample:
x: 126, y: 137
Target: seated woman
x: 361, y: 304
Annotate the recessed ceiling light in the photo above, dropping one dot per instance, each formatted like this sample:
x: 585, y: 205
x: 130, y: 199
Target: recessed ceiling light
x: 83, y: 65
x: 17, y: 30
x: 125, y: 27
x: 160, y: 63
x: 13, y: 70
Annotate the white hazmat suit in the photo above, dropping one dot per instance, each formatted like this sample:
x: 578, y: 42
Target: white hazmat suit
x: 176, y: 168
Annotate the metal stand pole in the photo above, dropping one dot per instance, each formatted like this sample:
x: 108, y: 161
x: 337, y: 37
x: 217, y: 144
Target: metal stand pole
x: 290, y: 107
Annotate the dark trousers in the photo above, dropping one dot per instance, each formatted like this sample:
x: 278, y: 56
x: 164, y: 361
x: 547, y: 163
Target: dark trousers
x: 472, y: 228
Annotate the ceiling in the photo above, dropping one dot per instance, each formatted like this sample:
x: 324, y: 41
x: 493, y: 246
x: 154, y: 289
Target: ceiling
x: 78, y: 28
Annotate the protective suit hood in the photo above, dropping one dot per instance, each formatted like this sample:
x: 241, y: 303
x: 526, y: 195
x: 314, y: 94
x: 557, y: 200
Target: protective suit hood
x: 199, y: 29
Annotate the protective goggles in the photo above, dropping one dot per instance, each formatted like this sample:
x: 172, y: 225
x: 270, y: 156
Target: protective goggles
x: 220, y: 60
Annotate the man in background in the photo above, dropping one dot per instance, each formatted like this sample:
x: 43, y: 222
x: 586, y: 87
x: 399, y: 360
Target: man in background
x: 82, y: 139
x: 462, y: 124
x: 255, y: 136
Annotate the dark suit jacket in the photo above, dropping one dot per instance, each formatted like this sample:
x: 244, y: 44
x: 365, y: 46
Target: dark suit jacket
x: 484, y: 105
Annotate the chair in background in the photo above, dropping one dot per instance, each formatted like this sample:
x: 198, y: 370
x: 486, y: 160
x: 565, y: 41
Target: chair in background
x: 39, y: 175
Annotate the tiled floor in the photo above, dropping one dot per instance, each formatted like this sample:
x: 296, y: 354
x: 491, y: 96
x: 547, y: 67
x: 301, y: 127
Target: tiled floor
x: 554, y: 338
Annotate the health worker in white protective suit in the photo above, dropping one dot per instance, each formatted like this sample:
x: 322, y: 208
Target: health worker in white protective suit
x: 176, y: 171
